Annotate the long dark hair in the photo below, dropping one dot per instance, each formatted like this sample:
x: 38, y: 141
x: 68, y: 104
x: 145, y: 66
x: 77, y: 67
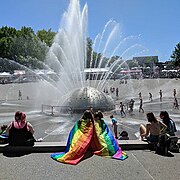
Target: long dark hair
x: 87, y: 115
x: 151, y: 117
x: 166, y: 118
x: 98, y: 115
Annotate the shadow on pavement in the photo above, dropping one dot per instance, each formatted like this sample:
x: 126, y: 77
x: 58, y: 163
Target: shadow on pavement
x: 15, y: 154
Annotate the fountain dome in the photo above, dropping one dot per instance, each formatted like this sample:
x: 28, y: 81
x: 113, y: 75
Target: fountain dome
x: 87, y: 97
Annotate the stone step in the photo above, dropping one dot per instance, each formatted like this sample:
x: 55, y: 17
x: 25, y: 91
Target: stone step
x: 46, y: 147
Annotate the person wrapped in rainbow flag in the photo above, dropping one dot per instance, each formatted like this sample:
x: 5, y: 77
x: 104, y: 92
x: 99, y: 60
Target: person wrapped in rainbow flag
x: 90, y: 133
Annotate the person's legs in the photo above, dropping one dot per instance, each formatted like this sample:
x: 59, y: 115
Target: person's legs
x: 121, y: 113
x: 142, y: 110
x: 115, y: 131
x: 142, y: 130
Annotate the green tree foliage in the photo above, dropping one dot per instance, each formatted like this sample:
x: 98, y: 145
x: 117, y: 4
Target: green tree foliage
x: 89, y: 52
x: 28, y: 49
x: 176, y: 55
x: 7, y: 35
x: 143, y: 61
x: 26, y: 45
x: 23, y: 46
x: 96, y: 59
x: 132, y: 63
x: 113, y: 59
x: 93, y: 58
x: 46, y: 36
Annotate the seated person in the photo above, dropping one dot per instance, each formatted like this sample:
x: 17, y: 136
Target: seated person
x: 171, y: 127
x: 152, y: 130
x: 169, y: 137
x: 19, y: 131
x: 90, y: 133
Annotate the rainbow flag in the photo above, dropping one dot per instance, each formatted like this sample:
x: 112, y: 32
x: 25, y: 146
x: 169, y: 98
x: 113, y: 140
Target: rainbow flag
x: 104, y: 142
x: 87, y: 135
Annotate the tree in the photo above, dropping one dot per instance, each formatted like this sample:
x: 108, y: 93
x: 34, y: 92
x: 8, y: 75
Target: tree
x: 46, y: 36
x: 7, y: 34
x: 21, y: 47
x: 27, y: 48
x: 26, y: 32
x: 89, y: 52
x: 176, y: 55
x: 92, y: 56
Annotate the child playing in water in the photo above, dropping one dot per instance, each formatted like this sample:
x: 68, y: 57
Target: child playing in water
x: 114, y: 124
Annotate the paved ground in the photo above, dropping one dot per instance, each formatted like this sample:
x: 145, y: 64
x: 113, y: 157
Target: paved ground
x: 142, y: 164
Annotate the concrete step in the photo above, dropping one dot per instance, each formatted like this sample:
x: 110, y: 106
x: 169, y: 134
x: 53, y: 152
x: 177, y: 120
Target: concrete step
x: 46, y: 147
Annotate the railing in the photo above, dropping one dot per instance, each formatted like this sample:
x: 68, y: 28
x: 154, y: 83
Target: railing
x: 59, y: 110
x: 56, y: 110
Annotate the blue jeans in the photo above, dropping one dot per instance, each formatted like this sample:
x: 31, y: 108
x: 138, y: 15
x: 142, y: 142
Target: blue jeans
x: 153, y: 138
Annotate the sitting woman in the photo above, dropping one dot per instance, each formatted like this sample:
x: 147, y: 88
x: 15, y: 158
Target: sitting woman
x: 169, y: 139
x: 152, y: 130
x: 171, y: 127
x: 19, y: 131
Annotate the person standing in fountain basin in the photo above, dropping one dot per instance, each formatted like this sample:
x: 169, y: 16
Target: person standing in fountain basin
x: 117, y: 93
x: 20, y: 95
x: 131, y: 105
x: 174, y: 93
x: 140, y: 105
x: 160, y: 95
x: 150, y: 96
x: 114, y: 124
x: 121, y: 106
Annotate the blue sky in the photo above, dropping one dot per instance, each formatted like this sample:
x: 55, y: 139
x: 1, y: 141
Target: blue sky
x: 157, y: 21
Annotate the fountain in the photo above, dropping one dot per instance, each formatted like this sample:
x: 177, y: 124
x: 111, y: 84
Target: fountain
x: 67, y: 59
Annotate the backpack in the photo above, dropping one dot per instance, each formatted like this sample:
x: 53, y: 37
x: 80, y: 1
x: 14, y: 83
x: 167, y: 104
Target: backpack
x: 167, y: 143
x: 172, y: 128
x: 162, y: 145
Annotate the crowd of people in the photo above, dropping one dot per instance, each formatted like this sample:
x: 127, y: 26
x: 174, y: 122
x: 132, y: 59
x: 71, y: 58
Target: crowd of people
x: 20, y: 131
x: 128, y: 106
x: 92, y: 125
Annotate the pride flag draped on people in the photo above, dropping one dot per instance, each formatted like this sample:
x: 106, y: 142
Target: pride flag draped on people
x: 86, y: 135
